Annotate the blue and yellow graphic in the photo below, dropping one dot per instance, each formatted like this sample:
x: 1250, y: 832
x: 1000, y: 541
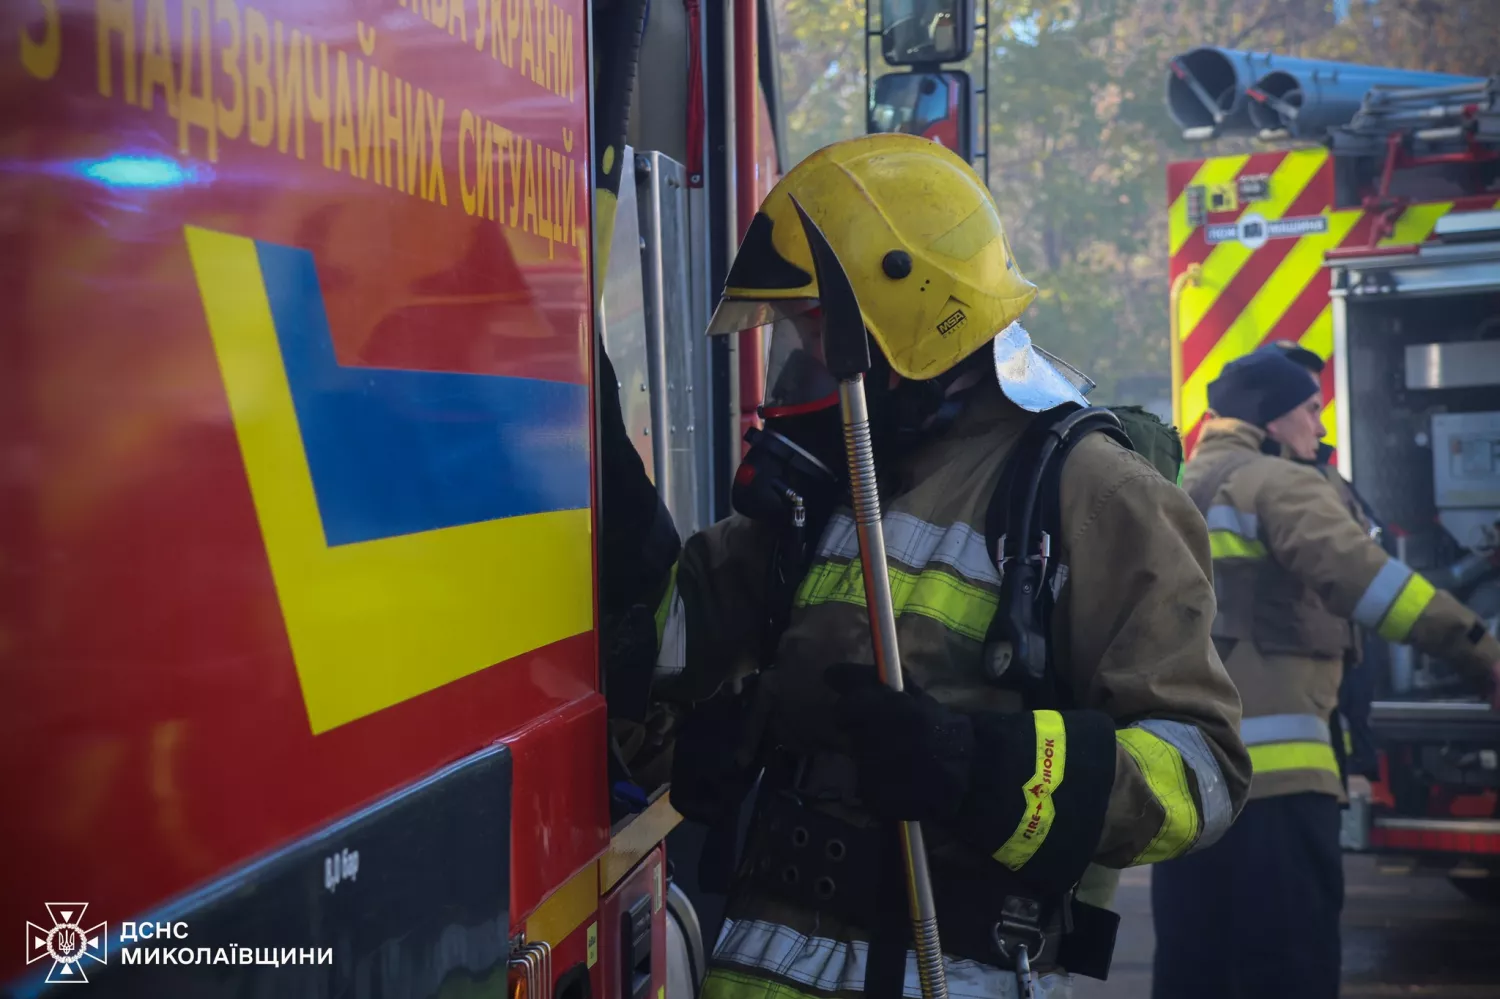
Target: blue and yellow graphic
x: 421, y: 526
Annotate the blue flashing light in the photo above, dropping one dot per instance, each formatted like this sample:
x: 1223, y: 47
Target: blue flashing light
x: 136, y: 171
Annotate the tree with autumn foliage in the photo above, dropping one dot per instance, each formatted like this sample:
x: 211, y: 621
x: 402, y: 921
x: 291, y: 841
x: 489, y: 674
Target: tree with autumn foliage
x: 1080, y: 136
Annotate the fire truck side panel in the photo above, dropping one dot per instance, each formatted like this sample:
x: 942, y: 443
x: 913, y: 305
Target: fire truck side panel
x: 1259, y: 226
x: 275, y: 272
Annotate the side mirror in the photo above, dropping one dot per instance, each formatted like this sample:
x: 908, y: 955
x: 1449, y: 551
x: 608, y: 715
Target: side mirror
x: 926, y: 32
x: 937, y: 106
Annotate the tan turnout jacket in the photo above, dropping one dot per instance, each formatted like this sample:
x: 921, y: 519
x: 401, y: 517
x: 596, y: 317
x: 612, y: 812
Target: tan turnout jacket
x: 1130, y: 634
x: 1293, y: 566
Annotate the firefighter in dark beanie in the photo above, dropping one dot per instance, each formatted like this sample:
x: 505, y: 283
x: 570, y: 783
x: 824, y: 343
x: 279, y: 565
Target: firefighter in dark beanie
x: 1257, y: 914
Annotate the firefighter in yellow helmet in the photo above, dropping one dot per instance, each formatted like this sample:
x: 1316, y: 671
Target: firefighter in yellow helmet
x: 1064, y: 719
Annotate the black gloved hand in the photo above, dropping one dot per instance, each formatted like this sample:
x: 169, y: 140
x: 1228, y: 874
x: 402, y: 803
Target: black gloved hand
x: 913, y: 755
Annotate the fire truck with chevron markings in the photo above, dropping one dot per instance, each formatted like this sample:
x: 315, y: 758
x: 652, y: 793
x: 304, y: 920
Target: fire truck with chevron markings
x: 1362, y: 222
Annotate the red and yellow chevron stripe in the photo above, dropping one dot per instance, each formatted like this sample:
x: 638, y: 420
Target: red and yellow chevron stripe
x: 1263, y: 289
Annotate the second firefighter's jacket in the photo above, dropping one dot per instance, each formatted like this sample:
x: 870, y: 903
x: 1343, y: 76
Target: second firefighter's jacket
x: 1130, y: 635
x: 1293, y: 567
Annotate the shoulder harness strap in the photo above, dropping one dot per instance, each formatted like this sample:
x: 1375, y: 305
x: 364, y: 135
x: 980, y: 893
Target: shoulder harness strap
x: 1205, y: 489
x: 1027, y: 504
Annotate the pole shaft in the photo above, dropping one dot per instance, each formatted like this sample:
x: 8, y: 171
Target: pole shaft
x: 862, y: 484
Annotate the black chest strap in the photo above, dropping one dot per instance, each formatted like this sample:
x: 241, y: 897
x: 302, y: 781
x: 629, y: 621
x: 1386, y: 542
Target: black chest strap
x: 1022, y: 530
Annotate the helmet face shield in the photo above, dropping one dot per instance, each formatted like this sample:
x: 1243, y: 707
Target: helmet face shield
x: 797, y: 379
x: 734, y: 315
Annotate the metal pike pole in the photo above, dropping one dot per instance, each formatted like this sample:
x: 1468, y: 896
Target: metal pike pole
x: 847, y: 356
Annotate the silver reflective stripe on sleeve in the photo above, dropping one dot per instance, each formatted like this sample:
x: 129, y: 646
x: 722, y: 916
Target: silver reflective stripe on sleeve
x: 1213, y: 794
x: 671, y: 658
x: 1238, y: 522
x: 1283, y: 728
x: 1381, y: 593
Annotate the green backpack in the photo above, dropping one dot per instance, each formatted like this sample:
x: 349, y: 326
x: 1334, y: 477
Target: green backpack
x: 1154, y: 440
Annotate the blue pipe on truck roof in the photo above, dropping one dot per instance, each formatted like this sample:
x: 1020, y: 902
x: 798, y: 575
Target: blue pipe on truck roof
x: 1306, y: 97
x: 1214, y: 91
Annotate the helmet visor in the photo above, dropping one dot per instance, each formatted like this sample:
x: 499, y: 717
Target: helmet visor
x: 735, y: 315
x: 797, y: 379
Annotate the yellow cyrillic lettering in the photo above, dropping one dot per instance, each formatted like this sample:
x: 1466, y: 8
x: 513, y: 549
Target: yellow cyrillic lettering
x: 456, y: 13
x: 197, y: 109
x: 484, y: 182
x: 343, y: 118
x: 437, y: 185
x: 553, y: 17
x: 366, y: 38
x: 515, y: 17
x: 565, y: 60
x: 156, y: 63
x: 368, y: 99
x: 439, y: 15
x: 317, y: 97
x: 515, y: 153
x: 528, y: 217
x: 416, y: 142
x: 289, y: 65
x: 528, y: 45
x: 41, y: 57
x: 465, y: 128
x: 500, y: 138
x: 392, y: 131
x: 258, y: 71
x: 232, y: 117
x: 570, y: 203
x: 113, y: 17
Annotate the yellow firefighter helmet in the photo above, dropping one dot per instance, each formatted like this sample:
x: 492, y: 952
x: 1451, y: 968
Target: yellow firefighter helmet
x: 919, y: 236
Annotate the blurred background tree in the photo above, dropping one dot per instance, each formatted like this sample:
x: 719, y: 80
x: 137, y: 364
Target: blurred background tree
x: 1080, y: 135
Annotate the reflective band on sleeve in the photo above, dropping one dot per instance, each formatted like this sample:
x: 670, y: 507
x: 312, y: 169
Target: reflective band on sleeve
x: 1283, y: 728
x: 1036, y: 821
x: 1283, y: 756
x: 668, y: 601
x: 1381, y: 593
x: 1227, y: 544
x: 1213, y: 793
x: 671, y: 632
x: 1235, y: 521
x: 1409, y: 605
x: 1162, y: 767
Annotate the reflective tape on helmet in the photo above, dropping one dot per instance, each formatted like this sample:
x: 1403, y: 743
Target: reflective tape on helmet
x: 1036, y: 820
x: 1283, y: 756
x: 1162, y: 767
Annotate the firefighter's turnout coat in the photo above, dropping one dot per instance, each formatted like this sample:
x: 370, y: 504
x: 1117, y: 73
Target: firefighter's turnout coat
x: 1294, y: 565
x: 1131, y: 639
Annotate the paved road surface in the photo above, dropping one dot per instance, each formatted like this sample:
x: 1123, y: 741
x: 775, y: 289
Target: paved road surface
x: 1403, y: 936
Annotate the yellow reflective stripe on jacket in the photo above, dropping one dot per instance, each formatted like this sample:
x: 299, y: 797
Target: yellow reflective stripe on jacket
x: 664, y: 609
x: 1393, y: 601
x: 1162, y: 767
x: 1227, y: 544
x: 1282, y: 756
x: 959, y: 606
x: 1036, y: 822
x: 1410, y: 603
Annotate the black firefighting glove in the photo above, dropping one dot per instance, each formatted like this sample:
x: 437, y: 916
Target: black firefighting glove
x: 1030, y: 789
x: 912, y: 754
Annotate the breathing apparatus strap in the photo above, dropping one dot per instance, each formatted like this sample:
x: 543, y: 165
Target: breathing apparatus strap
x: 1027, y: 503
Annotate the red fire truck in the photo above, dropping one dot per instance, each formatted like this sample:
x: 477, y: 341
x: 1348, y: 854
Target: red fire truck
x: 1367, y: 229
x: 299, y: 669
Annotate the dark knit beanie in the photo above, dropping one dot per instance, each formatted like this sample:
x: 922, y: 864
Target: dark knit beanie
x: 1260, y: 387
x: 1304, y: 357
